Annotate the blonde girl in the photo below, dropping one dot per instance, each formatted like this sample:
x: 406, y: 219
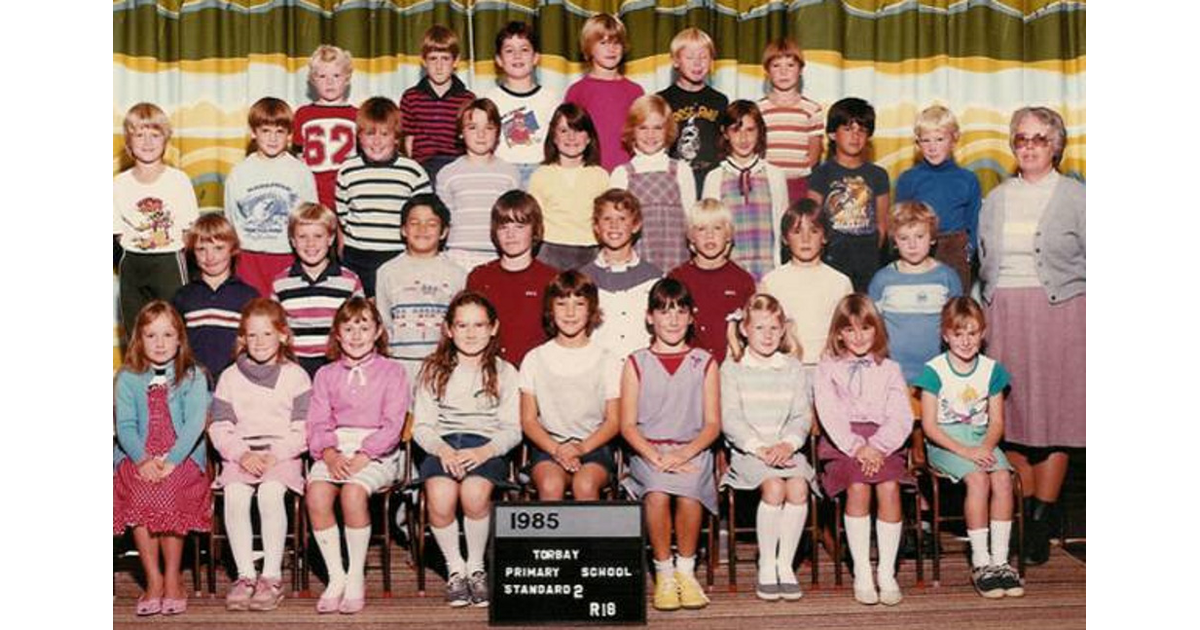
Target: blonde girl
x: 663, y: 185
x: 258, y: 420
x: 159, y: 486
x: 466, y: 418
x: 355, y: 417
x: 766, y: 414
x: 670, y: 415
x: 866, y: 416
x: 570, y: 395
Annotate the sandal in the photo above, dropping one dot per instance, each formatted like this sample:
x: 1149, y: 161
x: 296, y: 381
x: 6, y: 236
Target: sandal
x: 147, y: 606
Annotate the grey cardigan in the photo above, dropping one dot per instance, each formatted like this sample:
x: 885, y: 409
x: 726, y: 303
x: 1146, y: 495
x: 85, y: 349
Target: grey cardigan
x: 1059, y: 244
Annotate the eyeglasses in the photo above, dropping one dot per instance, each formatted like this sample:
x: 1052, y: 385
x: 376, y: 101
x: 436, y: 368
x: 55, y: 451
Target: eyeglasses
x: 1039, y: 141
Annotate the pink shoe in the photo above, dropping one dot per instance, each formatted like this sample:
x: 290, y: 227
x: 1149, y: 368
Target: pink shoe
x: 147, y: 606
x: 327, y: 605
x: 172, y: 606
x: 268, y: 592
x: 238, y: 597
x: 351, y: 606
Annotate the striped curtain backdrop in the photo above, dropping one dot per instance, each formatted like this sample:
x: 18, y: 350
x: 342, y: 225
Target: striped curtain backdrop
x: 205, y: 61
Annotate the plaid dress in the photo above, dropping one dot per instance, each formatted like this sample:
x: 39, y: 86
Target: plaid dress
x: 664, y: 225
x: 748, y: 196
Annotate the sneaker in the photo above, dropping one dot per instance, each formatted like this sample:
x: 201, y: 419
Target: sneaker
x: 458, y: 593
x: 268, y: 592
x: 1010, y: 581
x: 790, y: 590
x: 666, y: 594
x: 240, y: 592
x: 691, y: 594
x: 767, y: 591
x: 478, y: 586
x: 986, y: 581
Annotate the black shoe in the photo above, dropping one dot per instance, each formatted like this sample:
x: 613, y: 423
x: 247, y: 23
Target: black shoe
x: 1037, y: 532
x: 987, y: 582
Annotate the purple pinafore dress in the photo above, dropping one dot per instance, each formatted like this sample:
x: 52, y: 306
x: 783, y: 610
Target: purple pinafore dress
x: 664, y: 224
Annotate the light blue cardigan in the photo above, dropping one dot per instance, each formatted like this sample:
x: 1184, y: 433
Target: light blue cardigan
x: 189, y: 412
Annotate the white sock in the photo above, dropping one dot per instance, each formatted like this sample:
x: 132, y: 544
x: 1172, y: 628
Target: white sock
x: 237, y: 526
x: 766, y: 529
x: 357, y: 540
x: 889, y: 543
x: 273, y: 517
x: 664, y: 569
x: 791, y: 528
x: 447, y: 540
x: 979, y: 547
x: 685, y: 565
x: 477, y: 537
x: 329, y: 541
x: 858, y: 538
x: 1000, y: 533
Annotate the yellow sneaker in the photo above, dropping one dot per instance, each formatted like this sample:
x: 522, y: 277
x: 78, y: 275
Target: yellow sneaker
x: 666, y: 594
x: 691, y: 594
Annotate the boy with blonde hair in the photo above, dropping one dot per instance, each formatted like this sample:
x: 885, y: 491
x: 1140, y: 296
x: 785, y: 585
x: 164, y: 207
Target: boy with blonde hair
x: 951, y: 190
x: 211, y: 305
x: 794, y: 122
x: 429, y: 109
x: 695, y: 105
x: 718, y: 285
x: 603, y: 92
x: 261, y: 193
x: 911, y: 291
x: 315, y: 286
x: 324, y: 130
x: 623, y: 277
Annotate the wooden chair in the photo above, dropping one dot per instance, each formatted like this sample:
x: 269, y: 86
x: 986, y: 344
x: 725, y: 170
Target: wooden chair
x: 729, y: 496
x: 380, y: 506
x: 417, y: 520
x: 935, y: 480
x: 294, y: 542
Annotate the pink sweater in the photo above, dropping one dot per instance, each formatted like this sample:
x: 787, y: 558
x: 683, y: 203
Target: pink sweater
x: 607, y: 103
x: 860, y: 390
x: 260, y: 408
x: 372, y: 395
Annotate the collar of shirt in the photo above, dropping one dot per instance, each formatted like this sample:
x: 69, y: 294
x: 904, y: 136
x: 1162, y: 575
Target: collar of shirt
x: 658, y: 161
x: 456, y: 87
x: 633, y: 261
x: 774, y: 362
x: 332, y: 269
x: 1049, y: 181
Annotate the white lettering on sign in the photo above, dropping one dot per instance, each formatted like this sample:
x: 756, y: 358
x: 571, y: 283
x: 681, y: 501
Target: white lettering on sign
x: 556, y: 554
x: 597, y: 572
x: 531, y: 572
x: 574, y: 590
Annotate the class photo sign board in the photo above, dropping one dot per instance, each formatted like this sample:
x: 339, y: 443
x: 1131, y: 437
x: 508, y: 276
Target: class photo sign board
x: 567, y: 563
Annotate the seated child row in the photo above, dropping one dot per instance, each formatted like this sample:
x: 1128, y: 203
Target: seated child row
x: 669, y: 402
x: 669, y: 149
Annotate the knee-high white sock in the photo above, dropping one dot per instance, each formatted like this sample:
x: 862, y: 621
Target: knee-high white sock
x: 329, y: 541
x: 791, y: 528
x: 766, y: 530
x: 357, y: 540
x: 979, y: 547
x: 273, y: 517
x: 477, y: 537
x: 1000, y: 534
x: 237, y: 525
x: 858, y: 538
x: 888, y: 535
x: 447, y: 540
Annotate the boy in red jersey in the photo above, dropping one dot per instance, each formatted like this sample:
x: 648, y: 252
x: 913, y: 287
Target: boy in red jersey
x: 324, y: 130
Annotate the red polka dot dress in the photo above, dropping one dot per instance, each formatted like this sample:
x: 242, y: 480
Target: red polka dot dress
x: 177, y: 504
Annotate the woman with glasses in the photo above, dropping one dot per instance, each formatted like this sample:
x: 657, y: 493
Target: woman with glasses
x: 1032, y: 269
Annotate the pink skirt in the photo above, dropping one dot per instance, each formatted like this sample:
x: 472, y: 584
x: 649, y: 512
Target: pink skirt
x: 1044, y: 348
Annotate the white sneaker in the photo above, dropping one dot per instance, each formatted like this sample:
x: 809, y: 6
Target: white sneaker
x: 889, y: 590
x: 864, y: 589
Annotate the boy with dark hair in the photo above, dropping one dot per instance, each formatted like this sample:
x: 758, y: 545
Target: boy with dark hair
x: 853, y: 192
x: 429, y: 109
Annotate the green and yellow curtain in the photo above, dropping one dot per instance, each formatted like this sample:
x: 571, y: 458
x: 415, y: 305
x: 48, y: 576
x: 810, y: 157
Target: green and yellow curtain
x: 206, y: 61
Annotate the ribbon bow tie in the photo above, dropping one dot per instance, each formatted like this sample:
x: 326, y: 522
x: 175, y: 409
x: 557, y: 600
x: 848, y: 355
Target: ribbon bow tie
x: 856, y: 378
